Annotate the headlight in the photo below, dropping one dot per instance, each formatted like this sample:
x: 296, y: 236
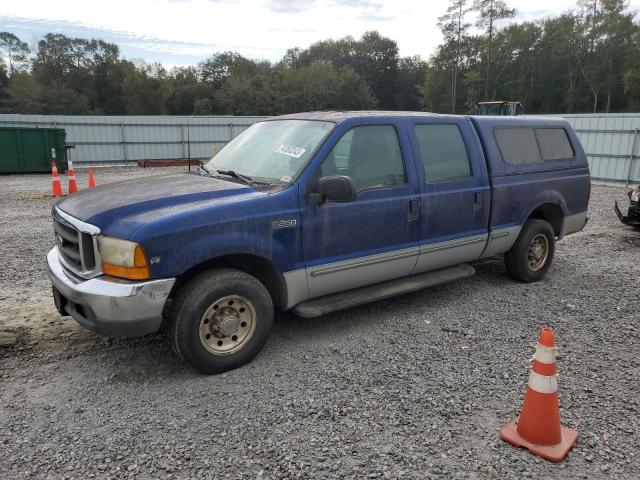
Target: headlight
x: 634, y: 194
x: 122, y: 258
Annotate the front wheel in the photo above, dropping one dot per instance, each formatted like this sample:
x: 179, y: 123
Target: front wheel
x: 532, y: 254
x: 220, y: 320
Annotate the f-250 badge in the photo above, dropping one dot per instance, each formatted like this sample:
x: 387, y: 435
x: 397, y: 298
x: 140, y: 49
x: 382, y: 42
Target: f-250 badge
x: 284, y: 223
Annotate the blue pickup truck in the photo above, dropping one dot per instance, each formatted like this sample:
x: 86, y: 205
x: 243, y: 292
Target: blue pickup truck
x: 314, y: 212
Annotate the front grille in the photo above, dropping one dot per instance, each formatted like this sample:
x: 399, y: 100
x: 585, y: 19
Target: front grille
x: 76, y: 248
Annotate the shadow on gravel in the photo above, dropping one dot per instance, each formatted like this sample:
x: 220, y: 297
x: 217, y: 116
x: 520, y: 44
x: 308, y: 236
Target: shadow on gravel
x: 150, y: 360
x: 333, y: 326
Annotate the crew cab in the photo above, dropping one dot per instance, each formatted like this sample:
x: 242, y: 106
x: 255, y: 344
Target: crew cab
x: 314, y: 212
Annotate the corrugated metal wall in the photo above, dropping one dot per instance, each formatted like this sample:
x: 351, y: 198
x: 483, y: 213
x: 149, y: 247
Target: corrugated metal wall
x: 612, y: 144
x: 612, y: 141
x: 124, y: 139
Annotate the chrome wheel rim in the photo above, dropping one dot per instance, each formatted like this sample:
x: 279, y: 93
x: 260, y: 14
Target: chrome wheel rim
x: 227, y: 325
x: 538, y: 252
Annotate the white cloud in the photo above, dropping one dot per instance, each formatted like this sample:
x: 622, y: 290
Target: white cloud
x: 185, y: 30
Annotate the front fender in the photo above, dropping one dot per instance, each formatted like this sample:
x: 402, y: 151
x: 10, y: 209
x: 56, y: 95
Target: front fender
x: 204, y: 249
x: 172, y: 254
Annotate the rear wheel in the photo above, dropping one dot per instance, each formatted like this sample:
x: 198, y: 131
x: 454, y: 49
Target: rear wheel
x: 220, y: 320
x: 532, y: 254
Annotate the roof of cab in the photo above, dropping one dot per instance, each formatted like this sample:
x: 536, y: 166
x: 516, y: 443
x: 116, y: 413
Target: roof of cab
x: 494, y: 121
x: 337, y: 116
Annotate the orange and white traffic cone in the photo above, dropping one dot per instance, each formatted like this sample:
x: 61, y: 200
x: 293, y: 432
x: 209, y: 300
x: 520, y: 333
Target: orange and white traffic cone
x: 71, y: 176
x: 538, y: 427
x: 92, y: 181
x: 56, y: 187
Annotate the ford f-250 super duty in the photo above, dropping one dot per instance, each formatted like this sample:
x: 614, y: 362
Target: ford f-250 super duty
x: 313, y: 213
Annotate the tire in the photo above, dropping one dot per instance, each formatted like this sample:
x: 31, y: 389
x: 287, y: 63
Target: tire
x: 519, y: 264
x: 220, y: 320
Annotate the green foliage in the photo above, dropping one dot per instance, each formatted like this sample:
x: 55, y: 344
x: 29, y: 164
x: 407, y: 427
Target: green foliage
x: 321, y: 86
x: 578, y: 62
x: 15, y: 50
x: 4, y: 82
x: 23, y: 94
x: 585, y: 60
x: 632, y: 88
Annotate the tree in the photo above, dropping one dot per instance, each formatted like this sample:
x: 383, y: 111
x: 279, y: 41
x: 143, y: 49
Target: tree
x: 4, y: 82
x: 60, y: 99
x: 374, y: 58
x: 221, y: 66
x: 611, y: 37
x: 185, y: 88
x: 411, y: 75
x: 202, y: 106
x: 15, y: 50
x: 489, y: 12
x: 145, y: 88
x: 516, y: 62
x: 454, y: 27
x: 614, y: 37
x: 24, y: 94
x: 55, y: 57
x: 321, y: 86
x: 108, y: 88
x: 584, y: 60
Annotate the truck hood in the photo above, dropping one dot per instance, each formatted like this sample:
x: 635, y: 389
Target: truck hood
x: 120, y: 208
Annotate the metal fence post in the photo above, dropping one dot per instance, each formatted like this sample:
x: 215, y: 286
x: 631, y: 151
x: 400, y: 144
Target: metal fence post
x: 184, y: 153
x: 189, y: 142
x: 632, y: 155
x: 124, y: 145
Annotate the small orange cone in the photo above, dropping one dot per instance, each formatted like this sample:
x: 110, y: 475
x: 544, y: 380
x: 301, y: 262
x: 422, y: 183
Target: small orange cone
x: 73, y: 186
x: 56, y: 187
x: 92, y: 181
x: 538, y: 427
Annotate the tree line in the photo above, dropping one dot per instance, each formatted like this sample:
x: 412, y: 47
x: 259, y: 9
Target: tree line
x: 586, y: 60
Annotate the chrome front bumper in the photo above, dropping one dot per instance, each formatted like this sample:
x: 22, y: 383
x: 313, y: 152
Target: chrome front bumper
x: 108, y: 305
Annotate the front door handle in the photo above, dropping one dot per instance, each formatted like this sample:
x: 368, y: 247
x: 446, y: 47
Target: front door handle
x: 414, y: 210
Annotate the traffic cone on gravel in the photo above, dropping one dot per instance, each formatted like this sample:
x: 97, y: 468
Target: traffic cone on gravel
x: 538, y: 427
x: 92, y: 181
x: 56, y: 187
x: 71, y: 176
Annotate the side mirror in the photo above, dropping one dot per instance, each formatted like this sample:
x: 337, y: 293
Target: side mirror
x: 337, y: 188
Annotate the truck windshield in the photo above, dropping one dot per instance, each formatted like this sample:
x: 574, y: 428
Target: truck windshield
x: 272, y: 150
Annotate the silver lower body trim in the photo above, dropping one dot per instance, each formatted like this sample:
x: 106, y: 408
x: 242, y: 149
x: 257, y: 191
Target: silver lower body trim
x: 452, y: 252
x: 297, y: 288
x: 501, y: 240
x: 573, y: 223
x: 357, y: 272
x: 108, y: 305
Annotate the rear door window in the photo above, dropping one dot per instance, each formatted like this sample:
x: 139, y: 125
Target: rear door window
x: 444, y: 154
x: 554, y: 144
x: 518, y: 146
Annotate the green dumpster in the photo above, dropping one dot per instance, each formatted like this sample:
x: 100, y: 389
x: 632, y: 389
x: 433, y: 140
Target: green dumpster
x: 31, y: 149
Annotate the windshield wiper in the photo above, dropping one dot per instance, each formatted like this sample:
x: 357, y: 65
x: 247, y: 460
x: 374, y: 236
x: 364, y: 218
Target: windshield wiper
x: 231, y: 173
x: 202, y: 168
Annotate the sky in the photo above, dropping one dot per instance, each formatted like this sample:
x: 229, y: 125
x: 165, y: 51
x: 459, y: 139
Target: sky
x: 184, y: 32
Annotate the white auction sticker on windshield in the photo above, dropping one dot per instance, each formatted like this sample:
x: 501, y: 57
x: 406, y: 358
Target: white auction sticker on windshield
x: 290, y: 150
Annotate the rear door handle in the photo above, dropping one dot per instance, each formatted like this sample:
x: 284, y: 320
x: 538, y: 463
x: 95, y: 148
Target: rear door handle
x: 414, y: 210
x: 477, y: 201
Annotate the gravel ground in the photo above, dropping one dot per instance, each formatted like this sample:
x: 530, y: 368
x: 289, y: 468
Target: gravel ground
x: 413, y: 387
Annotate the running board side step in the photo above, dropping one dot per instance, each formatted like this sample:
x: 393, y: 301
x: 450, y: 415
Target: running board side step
x: 359, y: 296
